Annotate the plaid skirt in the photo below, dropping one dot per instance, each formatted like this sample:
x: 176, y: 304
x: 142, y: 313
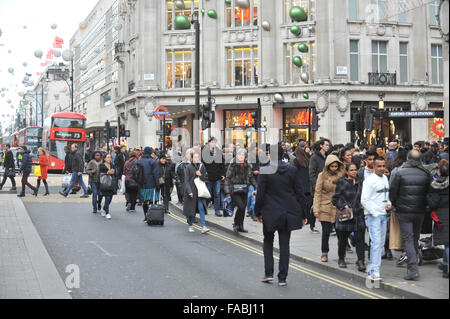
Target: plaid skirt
x: 148, y: 193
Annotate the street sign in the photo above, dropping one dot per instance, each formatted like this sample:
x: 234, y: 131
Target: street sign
x: 161, y: 113
x: 416, y: 114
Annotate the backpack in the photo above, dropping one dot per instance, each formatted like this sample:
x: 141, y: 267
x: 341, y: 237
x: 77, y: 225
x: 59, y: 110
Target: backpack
x: 138, y: 172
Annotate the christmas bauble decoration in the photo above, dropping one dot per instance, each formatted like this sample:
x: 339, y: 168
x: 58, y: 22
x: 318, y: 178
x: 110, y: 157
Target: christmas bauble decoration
x: 118, y: 27
x: 302, y: 47
x: 203, y: 11
x: 265, y: 25
x: 179, y: 4
x: 228, y: 2
x: 243, y: 4
x: 57, y: 54
x: 306, y: 96
x: 83, y: 67
x: 182, y: 22
x: 305, y: 77
x: 297, y: 61
x: 83, y: 25
x: 38, y: 54
x: 279, y: 98
x: 67, y: 55
x: 25, y: 64
x: 295, y: 29
x: 54, y: 26
x: 212, y: 14
x: 11, y: 70
x: 298, y: 14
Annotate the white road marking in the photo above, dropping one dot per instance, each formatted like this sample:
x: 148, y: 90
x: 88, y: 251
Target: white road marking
x: 102, y: 249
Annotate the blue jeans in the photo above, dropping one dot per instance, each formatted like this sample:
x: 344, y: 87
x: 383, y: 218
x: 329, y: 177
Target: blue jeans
x: 201, y: 210
x: 251, y: 200
x: 214, y: 190
x: 108, y: 199
x: 96, y: 195
x: 445, y: 259
x: 73, y: 180
x: 377, y: 232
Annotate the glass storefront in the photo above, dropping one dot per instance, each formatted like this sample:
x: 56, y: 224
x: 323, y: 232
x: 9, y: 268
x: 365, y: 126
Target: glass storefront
x: 298, y: 125
x: 240, y: 121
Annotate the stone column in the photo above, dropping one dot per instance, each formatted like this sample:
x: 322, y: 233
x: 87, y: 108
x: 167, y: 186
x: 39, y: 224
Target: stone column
x: 149, y: 58
x: 209, y: 44
x: 268, y: 12
x: 445, y: 52
x: 323, y: 40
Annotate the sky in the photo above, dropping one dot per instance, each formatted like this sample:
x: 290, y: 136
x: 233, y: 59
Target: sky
x: 26, y: 27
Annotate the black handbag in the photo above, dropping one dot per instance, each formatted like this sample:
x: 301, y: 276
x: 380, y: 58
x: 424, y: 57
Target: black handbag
x: 10, y: 173
x: 132, y: 185
x: 240, y: 188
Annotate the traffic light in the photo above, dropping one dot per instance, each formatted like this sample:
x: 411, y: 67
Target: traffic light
x: 209, y: 116
x: 315, y: 121
x: 112, y: 132
x: 122, y: 132
x: 256, y: 115
x: 357, y: 120
x: 168, y: 129
x: 107, y: 130
x: 368, y: 118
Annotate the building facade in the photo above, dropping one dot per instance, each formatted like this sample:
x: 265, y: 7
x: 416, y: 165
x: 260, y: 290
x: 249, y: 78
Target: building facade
x: 95, y: 71
x: 351, y: 53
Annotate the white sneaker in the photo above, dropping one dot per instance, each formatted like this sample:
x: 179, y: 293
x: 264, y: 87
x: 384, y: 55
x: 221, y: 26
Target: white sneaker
x: 205, y: 230
x: 191, y: 229
x: 103, y: 213
x: 108, y: 216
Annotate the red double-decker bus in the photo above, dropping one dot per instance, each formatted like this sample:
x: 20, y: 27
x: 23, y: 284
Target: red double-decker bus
x: 14, y: 139
x: 60, y: 130
x: 31, y: 137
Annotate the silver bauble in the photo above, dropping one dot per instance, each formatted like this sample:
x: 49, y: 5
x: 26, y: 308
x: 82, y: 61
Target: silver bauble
x: 38, y: 54
x: 279, y: 98
x: 57, y: 54
x: 305, y: 77
x: 179, y: 4
x: 266, y: 25
x: 243, y: 4
x: 67, y: 55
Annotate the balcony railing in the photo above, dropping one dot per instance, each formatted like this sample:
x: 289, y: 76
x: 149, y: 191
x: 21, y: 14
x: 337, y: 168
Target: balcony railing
x: 382, y: 78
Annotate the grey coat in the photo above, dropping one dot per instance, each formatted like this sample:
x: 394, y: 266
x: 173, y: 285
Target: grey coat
x: 93, y: 177
x: 190, y: 204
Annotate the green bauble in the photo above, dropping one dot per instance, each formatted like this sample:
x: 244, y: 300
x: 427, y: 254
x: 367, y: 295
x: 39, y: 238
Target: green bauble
x: 182, y: 22
x: 306, y: 96
x: 203, y: 11
x: 298, y: 14
x: 228, y: 2
x: 295, y: 29
x: 302, y: 47
x: 297, y: 61
x: 212, y: 14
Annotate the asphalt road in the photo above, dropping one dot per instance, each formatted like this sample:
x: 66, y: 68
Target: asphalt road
x: 124, y: 258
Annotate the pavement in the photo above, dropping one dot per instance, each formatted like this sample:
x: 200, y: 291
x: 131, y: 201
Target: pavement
x: 26, y: 269
x: 305, y: 248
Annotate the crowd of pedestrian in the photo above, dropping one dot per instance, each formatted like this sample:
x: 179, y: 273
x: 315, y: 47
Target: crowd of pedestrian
x: 348, y: 189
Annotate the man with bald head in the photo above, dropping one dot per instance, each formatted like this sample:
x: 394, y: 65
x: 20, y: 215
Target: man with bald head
x: 408, y: 192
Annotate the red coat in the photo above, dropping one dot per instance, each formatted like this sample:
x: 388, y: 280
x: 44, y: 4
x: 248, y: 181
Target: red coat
x: 43, y: 163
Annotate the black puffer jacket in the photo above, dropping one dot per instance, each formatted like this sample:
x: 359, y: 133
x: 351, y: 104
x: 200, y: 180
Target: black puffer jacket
x: 237, y: 174
x: 409, y: 187
x: 213, y: 163
x: 9, y: 161
x: 438, y: 201
x: 77, y: 162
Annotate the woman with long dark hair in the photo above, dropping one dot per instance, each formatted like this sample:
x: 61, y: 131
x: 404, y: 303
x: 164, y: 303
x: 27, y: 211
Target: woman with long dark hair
x: 347, y: 195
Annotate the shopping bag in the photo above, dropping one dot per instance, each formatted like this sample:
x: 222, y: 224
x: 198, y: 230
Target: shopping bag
x: 202, y: 190
x: 395, y: 236
x: 37, y: 170
x: 66, y: 180
x: 122, y: 185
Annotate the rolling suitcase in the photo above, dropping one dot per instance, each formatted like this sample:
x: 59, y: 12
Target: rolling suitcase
x: 155, y: 214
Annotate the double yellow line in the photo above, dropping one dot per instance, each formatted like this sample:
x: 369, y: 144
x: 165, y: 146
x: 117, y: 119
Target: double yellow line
x: 295, y: 266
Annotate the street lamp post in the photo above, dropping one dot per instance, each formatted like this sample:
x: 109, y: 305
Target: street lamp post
x: 196, y: 125
x: 381, y: 110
